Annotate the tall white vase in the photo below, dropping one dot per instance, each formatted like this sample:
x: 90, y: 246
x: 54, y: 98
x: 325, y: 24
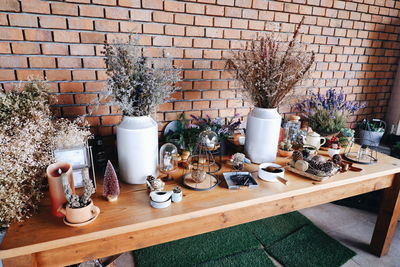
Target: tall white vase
x: 262, y: 134
x: 137, y: 144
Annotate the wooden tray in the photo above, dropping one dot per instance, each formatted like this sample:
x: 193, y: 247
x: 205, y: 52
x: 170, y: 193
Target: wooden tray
x: 306, y: 174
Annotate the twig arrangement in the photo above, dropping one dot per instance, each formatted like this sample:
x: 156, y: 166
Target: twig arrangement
x: 267, y: 73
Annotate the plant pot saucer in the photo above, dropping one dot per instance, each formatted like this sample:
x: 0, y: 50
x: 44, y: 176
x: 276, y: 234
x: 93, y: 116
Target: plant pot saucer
x: 83, y: 223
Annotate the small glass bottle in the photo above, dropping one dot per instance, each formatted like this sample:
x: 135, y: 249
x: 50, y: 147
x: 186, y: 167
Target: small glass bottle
x: 292, y: 129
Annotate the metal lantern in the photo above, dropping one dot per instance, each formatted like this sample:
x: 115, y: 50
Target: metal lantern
x: 203, y: 163
x: 358, y: 151
x: 168, y: 159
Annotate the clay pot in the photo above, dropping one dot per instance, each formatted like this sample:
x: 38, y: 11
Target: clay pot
x: 285, y: 153
x: 80, y: 215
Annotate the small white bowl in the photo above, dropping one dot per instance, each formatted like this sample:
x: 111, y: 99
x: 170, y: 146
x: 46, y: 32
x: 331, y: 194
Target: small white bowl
x: 160, y: 205
x: 270, y: 176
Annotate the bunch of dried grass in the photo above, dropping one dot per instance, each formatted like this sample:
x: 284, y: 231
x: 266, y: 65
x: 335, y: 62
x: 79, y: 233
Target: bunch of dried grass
x: 138, y: 84
x: 268, y: 74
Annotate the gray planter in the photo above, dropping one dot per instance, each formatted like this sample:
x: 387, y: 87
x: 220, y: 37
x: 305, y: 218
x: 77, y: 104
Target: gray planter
x: 370, y: 138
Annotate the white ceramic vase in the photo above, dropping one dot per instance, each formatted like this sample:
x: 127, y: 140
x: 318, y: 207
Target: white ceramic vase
x: 137, y: 144
x: 262, y: 134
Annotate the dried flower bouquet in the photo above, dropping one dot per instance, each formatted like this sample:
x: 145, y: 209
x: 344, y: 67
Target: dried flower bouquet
x: 28, y: 136
x: 138, y: 84
x: 267, y: 74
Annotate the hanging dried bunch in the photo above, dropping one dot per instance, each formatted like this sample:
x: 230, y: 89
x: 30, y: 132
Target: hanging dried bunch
x: 138, y: 84
x: 268, y: 74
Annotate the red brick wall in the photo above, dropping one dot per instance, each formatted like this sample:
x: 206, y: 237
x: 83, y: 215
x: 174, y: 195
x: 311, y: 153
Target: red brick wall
x: 356, y: 44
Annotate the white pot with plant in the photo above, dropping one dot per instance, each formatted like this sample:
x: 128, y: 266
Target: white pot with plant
x: 137, y: 85
x: 267, y: 74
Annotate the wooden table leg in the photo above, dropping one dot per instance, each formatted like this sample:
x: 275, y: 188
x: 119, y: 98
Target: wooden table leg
x: 387, y: 219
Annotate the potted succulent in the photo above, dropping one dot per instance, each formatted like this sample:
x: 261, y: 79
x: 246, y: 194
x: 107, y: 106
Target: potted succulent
x: 267, y: 75
x: 137, y: 85
x: 79, y: 209
x: 371, y: 132
x: 326, y: 114
x: 346, y: 136
x: 285, y: 148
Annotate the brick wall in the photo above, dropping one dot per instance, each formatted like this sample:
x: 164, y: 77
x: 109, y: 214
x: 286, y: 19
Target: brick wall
x: 356, y: 44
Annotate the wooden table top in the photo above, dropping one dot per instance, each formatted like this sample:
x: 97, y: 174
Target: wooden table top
x: 133, y: 212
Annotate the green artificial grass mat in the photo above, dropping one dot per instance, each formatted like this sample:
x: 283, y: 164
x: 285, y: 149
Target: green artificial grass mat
x: 290, y: 238
x: 253, y: 258
x: 197, y: 249
x: 310, y: 247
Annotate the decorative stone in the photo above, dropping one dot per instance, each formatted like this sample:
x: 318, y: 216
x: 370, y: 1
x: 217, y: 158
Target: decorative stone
x: 301, y: 165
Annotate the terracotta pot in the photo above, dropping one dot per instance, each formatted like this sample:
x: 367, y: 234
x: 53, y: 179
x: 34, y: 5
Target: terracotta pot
x: 57, y: 196
x: 285, y: 153
x: 80, y: 215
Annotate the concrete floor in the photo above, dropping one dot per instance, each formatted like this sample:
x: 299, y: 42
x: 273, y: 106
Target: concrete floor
x: 352, y: 227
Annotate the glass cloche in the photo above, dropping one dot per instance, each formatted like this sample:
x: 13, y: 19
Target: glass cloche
x: 209, y: 139
x: 168, y: 158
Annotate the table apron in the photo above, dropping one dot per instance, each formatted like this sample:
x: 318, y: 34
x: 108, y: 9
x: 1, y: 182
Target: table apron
x: 144, y: 238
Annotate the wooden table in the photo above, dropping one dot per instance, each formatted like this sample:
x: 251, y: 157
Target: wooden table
x: 130, y: 223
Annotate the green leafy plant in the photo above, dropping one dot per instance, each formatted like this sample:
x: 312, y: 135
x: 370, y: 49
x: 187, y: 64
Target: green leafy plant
x: 347, y: 132
x: 373, y: 125
x: 185, y: 135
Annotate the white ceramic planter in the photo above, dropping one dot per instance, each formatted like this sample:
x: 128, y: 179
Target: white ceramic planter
x: 262, y: 134
x: 137, y: 144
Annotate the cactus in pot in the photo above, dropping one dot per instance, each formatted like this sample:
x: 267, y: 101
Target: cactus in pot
x: 79, y: 210
x: 75, y: 201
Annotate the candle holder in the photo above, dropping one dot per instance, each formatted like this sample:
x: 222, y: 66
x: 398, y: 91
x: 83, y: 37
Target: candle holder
x: 203, y: 163
x: 168, y: 160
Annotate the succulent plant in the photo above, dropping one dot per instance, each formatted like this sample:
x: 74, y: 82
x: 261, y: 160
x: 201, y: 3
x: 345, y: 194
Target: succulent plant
x: 75, y: 201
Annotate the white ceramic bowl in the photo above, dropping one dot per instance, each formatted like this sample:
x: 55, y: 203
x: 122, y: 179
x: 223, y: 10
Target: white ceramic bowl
x: 270, y: 176
x: 160, y: 205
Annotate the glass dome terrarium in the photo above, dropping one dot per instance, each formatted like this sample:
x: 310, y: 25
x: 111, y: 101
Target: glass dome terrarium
x: 209, y: 140
x: 168, y: 159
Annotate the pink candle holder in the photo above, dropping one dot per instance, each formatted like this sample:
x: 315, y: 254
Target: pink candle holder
x: 57, y: 196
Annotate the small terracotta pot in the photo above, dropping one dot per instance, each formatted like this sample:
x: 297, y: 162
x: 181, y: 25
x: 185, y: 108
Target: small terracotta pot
x: 80, y: 215
x: 285, y: 153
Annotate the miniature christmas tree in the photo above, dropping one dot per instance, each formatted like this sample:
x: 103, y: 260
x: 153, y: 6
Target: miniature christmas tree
x: 110, y: 183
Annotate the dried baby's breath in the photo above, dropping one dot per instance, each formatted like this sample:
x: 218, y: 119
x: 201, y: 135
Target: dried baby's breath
x: 28, y: 136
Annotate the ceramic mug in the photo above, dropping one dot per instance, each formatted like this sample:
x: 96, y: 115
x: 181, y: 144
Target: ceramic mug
x: 80, y: 215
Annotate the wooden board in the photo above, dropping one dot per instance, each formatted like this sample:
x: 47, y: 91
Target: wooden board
x: 47, y: 237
